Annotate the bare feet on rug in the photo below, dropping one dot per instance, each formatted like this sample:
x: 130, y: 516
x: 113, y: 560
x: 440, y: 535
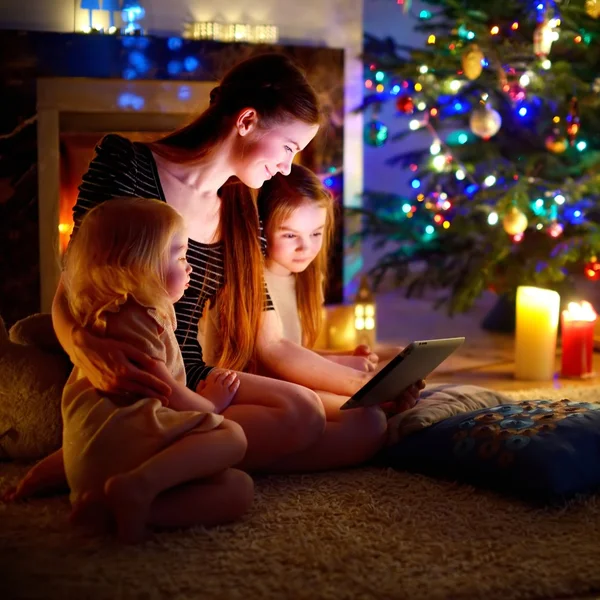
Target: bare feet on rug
x: 45, y: 478
x: 91, y: 513
x: 130, y: 507
x: 9, y: 494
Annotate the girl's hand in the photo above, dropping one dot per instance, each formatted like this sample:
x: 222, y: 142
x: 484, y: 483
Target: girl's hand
x: 360, y: 363
x: 220, y: 387
x: 407, y: 399
x: 117, y: 367
x: 365, y: 351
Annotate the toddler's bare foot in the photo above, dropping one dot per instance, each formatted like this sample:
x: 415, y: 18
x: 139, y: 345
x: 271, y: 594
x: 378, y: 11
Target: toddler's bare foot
x: 46, y: 477
x: 220, y: 387
x: 36, y: 482
x: 28, y: 487
x: 91, y: 512
x: 9, y: 494
x: 130, y: 507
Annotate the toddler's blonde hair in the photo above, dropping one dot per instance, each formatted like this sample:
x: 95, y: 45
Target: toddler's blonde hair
x: 119, y: 250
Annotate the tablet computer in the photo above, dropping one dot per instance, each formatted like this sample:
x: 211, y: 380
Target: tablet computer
x: 415, y: 362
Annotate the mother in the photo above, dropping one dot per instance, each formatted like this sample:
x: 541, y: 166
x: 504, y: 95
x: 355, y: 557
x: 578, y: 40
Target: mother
x: 261, y: 115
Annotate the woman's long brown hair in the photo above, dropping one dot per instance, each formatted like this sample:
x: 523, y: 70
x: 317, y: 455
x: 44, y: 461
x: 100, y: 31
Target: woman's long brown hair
x: 279, y: 92
x: 277, y: 200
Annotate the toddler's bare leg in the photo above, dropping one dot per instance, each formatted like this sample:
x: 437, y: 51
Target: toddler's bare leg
x: 213, y: 501
x: 194, y: 456
x: 91, y: 513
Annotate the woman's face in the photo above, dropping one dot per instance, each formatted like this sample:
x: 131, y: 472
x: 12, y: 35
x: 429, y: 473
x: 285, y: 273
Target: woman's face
x: 263, y: 153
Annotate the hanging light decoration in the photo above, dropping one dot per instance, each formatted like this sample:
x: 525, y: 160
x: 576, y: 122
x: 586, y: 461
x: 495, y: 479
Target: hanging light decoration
x: 132, y: 13
x: 573, y: 120
x: 543, y: 36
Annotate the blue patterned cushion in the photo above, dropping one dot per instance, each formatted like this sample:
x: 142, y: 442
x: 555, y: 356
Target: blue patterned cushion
x: 544, y: 450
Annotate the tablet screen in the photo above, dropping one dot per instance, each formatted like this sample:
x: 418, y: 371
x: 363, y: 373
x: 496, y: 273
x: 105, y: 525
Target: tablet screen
x: 415, y: 362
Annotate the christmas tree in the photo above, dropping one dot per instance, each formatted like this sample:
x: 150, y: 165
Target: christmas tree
x: 506, y: 191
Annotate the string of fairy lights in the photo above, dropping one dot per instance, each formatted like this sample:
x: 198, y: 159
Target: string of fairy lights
x: 430, y: 98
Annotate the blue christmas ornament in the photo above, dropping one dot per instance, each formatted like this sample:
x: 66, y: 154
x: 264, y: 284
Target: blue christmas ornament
x: 132, y: 13
x: 190, y: 63
x: 375, y: 133
x: 174, y: 43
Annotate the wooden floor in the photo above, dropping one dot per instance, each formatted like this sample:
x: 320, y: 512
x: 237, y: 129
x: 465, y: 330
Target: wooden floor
x: 501, y: 377
x: 486, y: 359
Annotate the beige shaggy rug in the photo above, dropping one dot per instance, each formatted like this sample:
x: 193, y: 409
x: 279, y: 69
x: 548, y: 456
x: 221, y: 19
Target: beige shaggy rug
x: 357, y: 534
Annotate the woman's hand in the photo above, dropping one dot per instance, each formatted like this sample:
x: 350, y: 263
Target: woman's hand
x: 407, y: 399
x: 117, y: 367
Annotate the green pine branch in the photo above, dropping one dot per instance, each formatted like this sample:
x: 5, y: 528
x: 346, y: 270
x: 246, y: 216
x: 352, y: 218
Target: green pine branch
x: 473, y: 253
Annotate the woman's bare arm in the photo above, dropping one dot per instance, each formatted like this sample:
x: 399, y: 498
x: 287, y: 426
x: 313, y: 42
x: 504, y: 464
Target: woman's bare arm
x: 110, y: 365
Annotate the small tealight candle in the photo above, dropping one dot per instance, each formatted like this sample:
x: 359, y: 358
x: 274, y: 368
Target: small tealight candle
x: 577, y: 339
x: 535, y: 339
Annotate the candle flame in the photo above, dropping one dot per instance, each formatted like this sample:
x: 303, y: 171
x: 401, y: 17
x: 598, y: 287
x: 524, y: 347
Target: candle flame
x: 580, y: 311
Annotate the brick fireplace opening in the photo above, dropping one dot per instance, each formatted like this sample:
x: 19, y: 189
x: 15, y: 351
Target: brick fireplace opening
x: 73, y: 115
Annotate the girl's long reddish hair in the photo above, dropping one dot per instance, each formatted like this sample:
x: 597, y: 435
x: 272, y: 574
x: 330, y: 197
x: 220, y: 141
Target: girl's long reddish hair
x: 277, y: 200
x: 280, y: 93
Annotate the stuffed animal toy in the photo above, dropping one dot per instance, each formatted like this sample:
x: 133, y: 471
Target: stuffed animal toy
x: 33, y: 371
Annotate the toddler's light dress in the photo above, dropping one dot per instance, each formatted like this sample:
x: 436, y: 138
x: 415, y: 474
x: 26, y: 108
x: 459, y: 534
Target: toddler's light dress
x: 104, y: 435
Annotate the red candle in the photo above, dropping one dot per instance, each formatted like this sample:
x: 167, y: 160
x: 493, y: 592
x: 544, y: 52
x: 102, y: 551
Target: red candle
x: 577, y: 339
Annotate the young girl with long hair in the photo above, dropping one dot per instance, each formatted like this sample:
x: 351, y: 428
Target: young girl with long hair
x: 297, y: 213
x: 300, y: 199
x: 126, y: 455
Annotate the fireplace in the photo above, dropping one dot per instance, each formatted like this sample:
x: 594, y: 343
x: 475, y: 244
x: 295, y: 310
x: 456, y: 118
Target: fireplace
x: 73, y: 114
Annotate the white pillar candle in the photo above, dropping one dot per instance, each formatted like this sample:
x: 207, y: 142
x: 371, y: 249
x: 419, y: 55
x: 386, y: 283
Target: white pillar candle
x: 537, y: 324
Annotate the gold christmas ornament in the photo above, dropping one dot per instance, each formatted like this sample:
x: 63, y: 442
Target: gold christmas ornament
x: 514, y: 221
x: 485, y: 122
x: 592, y: 8
x: 556, y: 144
x: 471, y: 62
